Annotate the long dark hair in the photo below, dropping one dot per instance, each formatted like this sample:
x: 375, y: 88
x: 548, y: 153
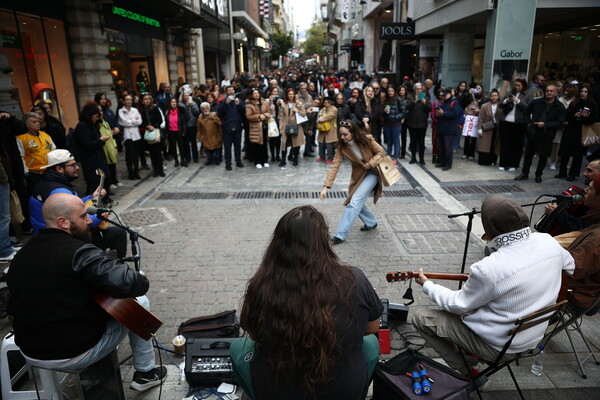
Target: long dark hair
x: 87, y: 112
x: 290, y: 300
x: 358, y: 136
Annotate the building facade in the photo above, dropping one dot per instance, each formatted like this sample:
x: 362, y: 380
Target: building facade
x: 66, y: 51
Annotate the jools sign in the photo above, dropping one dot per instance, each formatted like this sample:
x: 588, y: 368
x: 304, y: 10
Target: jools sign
x: 396, y: 30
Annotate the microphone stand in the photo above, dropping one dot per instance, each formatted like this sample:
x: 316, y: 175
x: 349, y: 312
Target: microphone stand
x: 471, y: 214
x: 133, y: 238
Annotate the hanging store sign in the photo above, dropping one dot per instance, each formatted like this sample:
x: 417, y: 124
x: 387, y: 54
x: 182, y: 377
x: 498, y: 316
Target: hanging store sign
x: 396, y: 30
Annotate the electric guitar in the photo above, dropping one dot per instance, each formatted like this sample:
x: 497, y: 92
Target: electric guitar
x: 131, y: 314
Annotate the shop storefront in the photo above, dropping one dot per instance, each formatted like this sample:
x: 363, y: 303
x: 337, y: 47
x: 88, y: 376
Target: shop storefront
x: 35, y: 61
x: 137, y: 49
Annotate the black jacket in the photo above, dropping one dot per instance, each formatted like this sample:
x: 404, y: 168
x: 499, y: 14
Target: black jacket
x: 418, y: 113
x: 51, y: 282
x: 553, y: 120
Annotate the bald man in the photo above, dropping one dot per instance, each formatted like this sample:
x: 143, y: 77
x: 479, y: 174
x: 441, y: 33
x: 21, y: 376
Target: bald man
x: 51, y: 282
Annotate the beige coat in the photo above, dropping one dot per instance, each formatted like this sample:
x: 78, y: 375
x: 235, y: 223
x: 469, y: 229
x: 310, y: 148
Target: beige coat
x: 208, y: 131
x: 373, y: 154
x: 288, y: 117
x: 253, y: 113
x: 328, y: 115
x: 484, y: 142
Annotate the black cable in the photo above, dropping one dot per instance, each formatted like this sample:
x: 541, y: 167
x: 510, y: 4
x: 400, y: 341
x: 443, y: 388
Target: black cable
x: 533, y: 208
x: 407, y: 338
x: 161, y: 367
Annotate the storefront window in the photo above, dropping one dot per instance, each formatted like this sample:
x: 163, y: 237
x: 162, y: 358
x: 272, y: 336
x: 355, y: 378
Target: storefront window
x: 35, y: 49
x: 566, y: 55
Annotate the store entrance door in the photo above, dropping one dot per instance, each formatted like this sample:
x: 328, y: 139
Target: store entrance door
x: 143, y: 74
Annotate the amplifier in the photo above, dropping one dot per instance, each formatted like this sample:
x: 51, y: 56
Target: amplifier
x: 207, y: 361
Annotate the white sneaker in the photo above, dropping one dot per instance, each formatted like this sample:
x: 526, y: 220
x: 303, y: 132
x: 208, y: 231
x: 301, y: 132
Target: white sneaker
x: 258, y: 166
x: 9, y: 257
x: 553, y: 166
x: 113, y: 187
x: 119, y: 184
x: 512, y: 169
x: 500, y: 168
x: 266, y: 165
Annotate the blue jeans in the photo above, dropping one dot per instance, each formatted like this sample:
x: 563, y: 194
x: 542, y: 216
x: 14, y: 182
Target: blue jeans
x: 392, y: 137
x: 143, y: 352
x: 5, y: 246
x: 242, y: 354
x: 357, y: 207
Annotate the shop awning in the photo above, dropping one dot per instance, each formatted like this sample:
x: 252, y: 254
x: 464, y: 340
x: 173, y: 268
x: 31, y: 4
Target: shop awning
x: 243, y: 19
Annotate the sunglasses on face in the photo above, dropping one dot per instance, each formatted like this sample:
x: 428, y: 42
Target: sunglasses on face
x: 345, y: 123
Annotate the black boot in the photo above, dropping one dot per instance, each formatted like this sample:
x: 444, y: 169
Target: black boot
x: 295, y: 155
x: 282, y: 163
x: 136, y: 174
x: 413, y: 159
x: 131, y: 176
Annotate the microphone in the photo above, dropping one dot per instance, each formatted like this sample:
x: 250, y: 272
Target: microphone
x: 93, y: 210
x: 574, y: 198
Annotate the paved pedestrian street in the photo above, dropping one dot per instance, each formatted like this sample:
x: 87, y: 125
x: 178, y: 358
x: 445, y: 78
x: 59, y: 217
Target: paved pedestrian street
x: 211, y: 226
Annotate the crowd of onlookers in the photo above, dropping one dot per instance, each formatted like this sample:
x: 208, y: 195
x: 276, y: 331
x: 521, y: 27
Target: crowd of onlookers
x: 269, y: 118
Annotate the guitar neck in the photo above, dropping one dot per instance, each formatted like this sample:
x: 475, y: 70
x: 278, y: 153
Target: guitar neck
x: 444, y: 276
x: 404, y: 275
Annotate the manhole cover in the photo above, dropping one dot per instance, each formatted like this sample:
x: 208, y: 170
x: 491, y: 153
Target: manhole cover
x: 145, y: 217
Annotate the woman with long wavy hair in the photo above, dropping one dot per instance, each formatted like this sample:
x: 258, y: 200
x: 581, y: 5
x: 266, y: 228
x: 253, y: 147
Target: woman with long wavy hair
x: 308, y: 316
x: 364, y: 154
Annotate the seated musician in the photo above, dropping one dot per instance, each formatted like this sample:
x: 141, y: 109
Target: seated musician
x: 521, y: 275
x: 59, y: 174
x: 573, y: 222
x: 310, y: 319
x: 585, y: 285
x: 57, y: 323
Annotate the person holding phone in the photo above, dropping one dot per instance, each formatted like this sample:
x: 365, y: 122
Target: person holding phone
x: 418, y: 107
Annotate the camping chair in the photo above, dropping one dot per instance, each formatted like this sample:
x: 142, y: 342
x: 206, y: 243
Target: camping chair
x: 557, y: 310
x: 572, y: 322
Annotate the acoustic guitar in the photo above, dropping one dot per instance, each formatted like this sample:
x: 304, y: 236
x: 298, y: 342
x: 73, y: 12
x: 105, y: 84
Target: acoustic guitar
x: 131, y: 314
x: 405, y: 275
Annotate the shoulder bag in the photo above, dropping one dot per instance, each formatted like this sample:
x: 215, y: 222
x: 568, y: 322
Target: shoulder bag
x: 388, y: 172
x: 291, y: 130
x: 224, y: 324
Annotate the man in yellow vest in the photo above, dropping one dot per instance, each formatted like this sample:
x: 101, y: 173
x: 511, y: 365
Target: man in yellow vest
x: 34, y: 146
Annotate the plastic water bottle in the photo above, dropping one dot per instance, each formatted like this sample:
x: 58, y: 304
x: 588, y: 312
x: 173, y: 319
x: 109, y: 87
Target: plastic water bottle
x: 538, y: 363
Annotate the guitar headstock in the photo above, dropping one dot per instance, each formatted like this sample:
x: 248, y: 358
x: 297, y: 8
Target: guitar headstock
x: 399, y: 276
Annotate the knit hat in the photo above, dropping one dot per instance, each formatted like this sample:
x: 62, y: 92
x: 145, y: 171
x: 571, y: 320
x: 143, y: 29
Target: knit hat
x: 501, y: 215
x: 58, y: 156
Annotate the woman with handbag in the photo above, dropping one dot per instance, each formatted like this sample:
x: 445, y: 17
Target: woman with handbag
x: 258, y: 113
x: 275, y: 141
x: 364, y: 154
x: 292, y: 134
x: 130, y: 119
x: 489, y: 117
x: 152, y: 121
x: 513, y: 126
x: 310, y: 319
x: 327, y: 127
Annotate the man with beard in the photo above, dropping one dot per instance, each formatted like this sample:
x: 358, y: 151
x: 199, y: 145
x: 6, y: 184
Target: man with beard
x: 52, y: 281
x: 60, y: 172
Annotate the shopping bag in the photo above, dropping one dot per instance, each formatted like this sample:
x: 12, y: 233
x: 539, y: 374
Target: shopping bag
x: 273, y: 129
x: 388, y: 172
x: 16, y: 212
x: 590, y: 134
